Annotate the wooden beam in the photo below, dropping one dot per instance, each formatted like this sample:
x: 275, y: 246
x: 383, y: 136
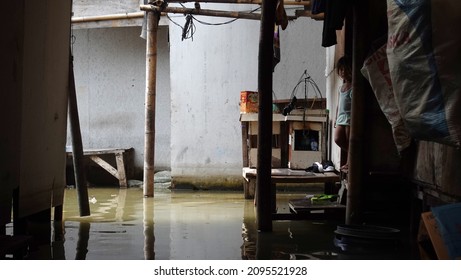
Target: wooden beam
x: 104, y: 164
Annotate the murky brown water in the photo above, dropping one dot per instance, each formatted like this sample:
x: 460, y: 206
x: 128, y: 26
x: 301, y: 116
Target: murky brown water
x: 181, y: 225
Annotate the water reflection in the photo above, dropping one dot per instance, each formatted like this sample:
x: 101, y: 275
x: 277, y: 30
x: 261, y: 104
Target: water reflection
x: 82, y: 241
x: 182, y: 225
x: 149, y: 238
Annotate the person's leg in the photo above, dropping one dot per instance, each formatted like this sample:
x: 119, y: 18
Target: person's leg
x: 341, y: 138
x: 347, y: 130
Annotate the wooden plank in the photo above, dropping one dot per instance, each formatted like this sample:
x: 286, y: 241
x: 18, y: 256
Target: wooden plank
x: 99, y: 151
x: 430, y: 226
x: 121, y: 170
x: 437, y: 168
x: 253, y: 117
x: 304, y: 208
x: 294, y: 176
x: 104, y: 164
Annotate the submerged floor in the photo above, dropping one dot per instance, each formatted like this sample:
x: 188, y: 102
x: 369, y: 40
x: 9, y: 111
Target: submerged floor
x: 196, y: 225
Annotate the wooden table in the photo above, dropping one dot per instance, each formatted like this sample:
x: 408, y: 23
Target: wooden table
x: 299, y: 209
x: 286, y: 175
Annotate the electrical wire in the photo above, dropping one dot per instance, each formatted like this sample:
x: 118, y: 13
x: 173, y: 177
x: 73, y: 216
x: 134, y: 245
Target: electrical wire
x: 189, y: 27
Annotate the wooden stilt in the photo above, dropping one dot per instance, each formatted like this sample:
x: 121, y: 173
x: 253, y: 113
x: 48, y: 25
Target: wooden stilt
x: 77, y: 147
x: 153, y: 18
x: 266, y: 52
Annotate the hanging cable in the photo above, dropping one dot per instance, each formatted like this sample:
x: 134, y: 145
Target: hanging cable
x: 189, y: 28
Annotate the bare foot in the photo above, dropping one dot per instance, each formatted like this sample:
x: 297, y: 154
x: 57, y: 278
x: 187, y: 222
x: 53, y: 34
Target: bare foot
x: 345, y: 167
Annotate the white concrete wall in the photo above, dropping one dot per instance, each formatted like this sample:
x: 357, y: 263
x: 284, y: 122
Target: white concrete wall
x: 110, y: 80
x: 103, y: 7
x: 300, y: 50
x: 207, y: 75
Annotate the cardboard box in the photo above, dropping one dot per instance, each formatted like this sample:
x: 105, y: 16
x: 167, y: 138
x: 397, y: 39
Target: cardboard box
x: 300, y: 154
x: 248, y: 102
x: 276, y: 161
x: 431, y: 244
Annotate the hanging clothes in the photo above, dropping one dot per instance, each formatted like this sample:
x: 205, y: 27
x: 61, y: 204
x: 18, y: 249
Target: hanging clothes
x: 318, y: 6
x: 281, y: 17
x: 276, y: 58
x: 335, y: 13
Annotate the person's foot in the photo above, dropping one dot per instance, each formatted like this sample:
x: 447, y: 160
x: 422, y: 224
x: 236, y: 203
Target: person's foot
x: 344, y: 168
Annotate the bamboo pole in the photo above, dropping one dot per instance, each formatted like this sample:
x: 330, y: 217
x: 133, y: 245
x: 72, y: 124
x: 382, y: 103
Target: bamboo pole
x: 263, y: 181
x: 153, y: 18
x: 77, y: 147
x: 257, y: 2
x: 108, y: 17
x: 203, y: 12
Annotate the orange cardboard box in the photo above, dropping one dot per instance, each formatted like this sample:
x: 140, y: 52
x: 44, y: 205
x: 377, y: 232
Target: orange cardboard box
x: 248, y: 102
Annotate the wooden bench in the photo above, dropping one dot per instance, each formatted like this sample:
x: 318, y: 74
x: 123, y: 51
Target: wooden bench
x: 286, y: 175
x: 95, y: 156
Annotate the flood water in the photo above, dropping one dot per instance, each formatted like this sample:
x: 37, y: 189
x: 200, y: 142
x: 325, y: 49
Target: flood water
x: 183, y: 225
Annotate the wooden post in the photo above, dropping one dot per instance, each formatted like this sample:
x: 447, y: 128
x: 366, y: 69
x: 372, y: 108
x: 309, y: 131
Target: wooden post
x: 153, y: 18
x: 355, y: 152
x: 266, y: 53
x: 77, y: 147
x: 369, y: 23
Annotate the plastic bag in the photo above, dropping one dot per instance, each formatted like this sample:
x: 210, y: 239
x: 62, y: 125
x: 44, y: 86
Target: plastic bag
x: 424, y: 56
x: 376, y: 70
